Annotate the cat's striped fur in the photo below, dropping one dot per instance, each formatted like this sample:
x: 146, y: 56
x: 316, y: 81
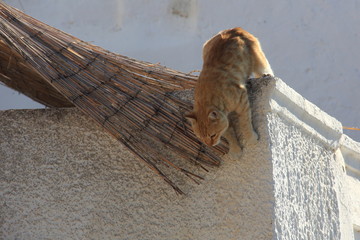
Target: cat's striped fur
x: 230, y: 57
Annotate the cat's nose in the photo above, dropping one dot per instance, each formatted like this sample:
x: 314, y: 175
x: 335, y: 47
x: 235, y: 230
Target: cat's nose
x: 209, y: 142
x: 215, y: 142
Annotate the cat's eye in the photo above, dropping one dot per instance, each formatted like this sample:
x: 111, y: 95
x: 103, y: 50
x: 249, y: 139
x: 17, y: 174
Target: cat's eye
x: 213, y: 136
x: 213, y: 115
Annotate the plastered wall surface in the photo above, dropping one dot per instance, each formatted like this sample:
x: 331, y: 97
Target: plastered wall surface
x: 63, y: 177
x: 306, y: 203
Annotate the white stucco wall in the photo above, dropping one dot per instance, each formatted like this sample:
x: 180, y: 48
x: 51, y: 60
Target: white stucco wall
x: 303, y: 139
x: 348, y: 157
x: 63, y: 177
x: 311, y: 44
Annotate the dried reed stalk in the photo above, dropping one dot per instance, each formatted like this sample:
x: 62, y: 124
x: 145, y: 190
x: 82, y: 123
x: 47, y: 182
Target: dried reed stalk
x: 133, y: 100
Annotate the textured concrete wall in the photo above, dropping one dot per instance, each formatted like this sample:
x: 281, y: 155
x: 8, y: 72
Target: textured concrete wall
x: 347, y: 174
x: 316, y: 170
x: 306, y: 203
x: 63, y: 177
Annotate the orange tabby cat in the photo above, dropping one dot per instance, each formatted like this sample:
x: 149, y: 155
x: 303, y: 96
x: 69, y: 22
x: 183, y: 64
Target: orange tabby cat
x: 230, y: 57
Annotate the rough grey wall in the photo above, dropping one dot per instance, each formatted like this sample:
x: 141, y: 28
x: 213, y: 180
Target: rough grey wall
x: 62, y: 177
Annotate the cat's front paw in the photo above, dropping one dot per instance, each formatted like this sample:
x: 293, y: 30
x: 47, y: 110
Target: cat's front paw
x: 235, y: 151
x: 253, y: 139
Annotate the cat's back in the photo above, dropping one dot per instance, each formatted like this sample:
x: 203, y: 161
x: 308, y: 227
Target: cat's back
x: 228, y: 46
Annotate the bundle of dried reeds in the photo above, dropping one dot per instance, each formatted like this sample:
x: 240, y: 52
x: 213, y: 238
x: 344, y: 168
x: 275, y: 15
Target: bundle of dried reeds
x: 131, y: 99
x: 20, y: 76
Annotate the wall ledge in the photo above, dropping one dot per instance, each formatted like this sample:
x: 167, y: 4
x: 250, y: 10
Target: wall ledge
x: 291, y: 105
x: 350, y: 150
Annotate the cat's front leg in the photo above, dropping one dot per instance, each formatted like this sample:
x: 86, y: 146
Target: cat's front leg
x: 243, y: 124
x: 252, y: 137
x: 247, y: 135
x: 235, y: 147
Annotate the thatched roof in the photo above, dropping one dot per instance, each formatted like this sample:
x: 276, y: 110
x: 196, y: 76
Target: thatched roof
x: 131, y: 99
x: 19, y: 75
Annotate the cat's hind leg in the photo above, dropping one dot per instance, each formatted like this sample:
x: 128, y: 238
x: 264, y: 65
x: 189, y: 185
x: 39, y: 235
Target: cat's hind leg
x: 261, y: 65
x: 263, y: 69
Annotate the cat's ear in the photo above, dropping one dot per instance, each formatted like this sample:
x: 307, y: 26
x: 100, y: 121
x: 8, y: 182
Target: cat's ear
x: 191, y: 116
x: 214, y: 115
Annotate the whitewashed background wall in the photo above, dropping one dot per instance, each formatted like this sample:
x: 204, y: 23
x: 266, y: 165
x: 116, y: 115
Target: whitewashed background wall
x: 311, y: 44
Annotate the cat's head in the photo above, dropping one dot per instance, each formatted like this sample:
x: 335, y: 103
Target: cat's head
x: 209, y: 125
